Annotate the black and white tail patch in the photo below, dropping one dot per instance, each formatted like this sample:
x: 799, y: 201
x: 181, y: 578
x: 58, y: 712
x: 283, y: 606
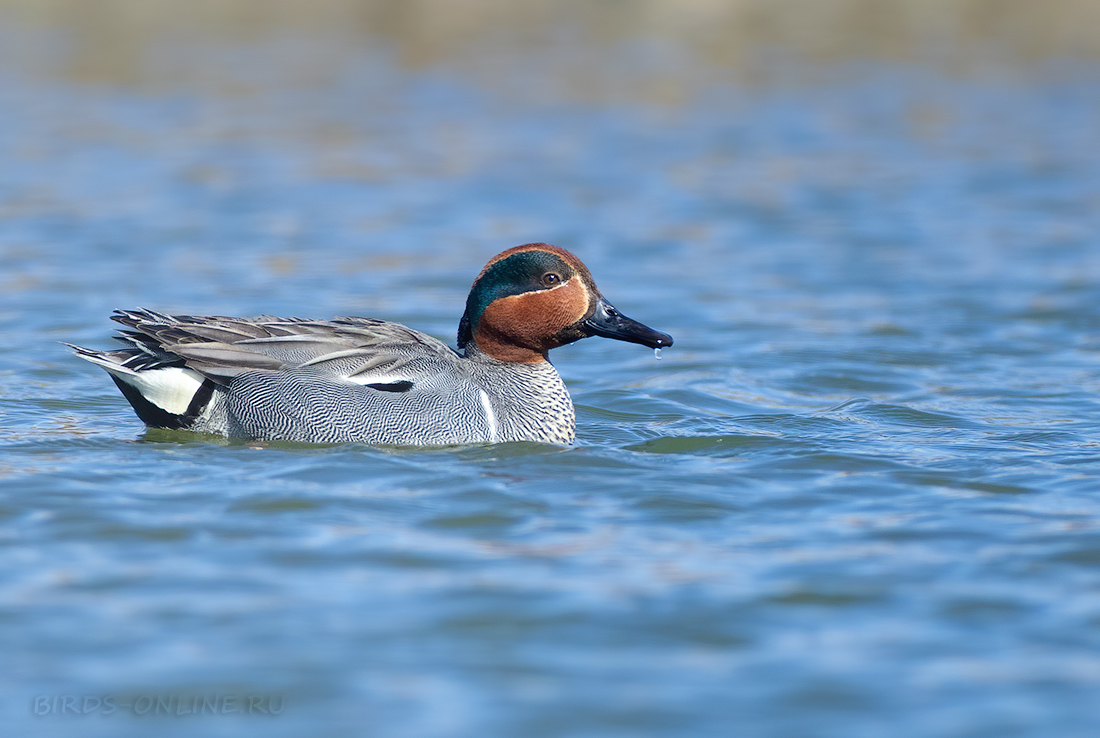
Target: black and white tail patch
x: 167, y: 396
x: 155, y: 416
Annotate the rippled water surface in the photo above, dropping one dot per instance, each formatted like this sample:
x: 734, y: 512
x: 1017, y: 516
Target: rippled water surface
x: 859, y: 496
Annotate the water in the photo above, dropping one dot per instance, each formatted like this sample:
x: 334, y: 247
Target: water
x: 859, y: 495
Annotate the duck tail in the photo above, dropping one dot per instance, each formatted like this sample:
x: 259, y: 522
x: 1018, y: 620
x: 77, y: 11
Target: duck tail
x: 162, y: 390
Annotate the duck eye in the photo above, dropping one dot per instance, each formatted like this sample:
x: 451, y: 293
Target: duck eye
x: 550, y: 278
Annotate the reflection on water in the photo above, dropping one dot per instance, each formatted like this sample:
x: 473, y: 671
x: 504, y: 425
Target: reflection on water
x: 858, y: 496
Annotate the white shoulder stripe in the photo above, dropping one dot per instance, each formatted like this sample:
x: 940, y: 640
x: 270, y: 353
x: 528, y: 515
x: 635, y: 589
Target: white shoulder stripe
x: 490, y: 416
x: 368, y: 378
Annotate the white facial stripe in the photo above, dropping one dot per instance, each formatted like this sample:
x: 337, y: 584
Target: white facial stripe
x: 558, y: 286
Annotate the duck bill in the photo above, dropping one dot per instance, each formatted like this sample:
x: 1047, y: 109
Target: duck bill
x: 608, y: 322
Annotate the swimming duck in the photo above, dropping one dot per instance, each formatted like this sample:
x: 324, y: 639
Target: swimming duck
x: 362, y: 380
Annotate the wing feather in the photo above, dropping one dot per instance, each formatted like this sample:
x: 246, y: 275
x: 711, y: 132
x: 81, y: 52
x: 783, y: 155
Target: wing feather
x: 360, y: 350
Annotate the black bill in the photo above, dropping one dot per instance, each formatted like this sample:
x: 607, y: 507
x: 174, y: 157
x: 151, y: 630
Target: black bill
x: 608, y: 322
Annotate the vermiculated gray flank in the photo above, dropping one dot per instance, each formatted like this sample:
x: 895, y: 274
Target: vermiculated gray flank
x: 371, y: 381
x: 340, y: 381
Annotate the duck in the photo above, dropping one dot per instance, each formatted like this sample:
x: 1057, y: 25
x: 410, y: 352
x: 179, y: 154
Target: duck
x: 370, y: 381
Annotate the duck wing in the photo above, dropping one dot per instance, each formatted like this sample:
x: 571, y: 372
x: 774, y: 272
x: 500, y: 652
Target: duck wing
x: 364, y: 351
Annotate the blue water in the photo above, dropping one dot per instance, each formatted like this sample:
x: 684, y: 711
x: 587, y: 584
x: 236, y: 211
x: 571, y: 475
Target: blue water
x: 858, y: 497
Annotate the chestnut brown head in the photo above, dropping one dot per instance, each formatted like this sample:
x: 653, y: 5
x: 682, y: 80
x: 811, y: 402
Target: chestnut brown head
x: 532, y: 298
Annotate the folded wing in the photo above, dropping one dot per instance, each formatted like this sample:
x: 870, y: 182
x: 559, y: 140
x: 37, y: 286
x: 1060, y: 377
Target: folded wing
x: 364, y: 351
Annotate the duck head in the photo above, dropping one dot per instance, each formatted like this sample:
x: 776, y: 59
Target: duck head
x: 532, y: 298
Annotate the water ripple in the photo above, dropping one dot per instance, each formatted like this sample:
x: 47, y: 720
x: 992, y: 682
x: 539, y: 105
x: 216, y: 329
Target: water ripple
x: 857, y: 496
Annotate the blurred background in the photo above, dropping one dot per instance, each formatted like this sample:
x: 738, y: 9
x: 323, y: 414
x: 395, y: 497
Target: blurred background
x: 856, y: 498
x: 644, y: 50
